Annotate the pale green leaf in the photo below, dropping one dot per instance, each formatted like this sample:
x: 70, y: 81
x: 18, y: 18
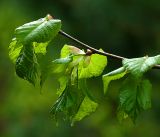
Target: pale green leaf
x: 39, y: 31
x: 114, y: 75
x: 67, y: 50
x: 87, y: 107
x: 95, y: 68
x: 40, y: 48
x: 65, y: 60
x: 14, y: 49
x: 138, y: 66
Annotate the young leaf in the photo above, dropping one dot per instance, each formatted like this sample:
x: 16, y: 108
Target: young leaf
x: 86, y: 108
x: 94, y: 68
x: 40, y: 48
x: 65, y: 60
x: 135, y: 96
x: 138, y: 66
x: 67, y: 50
x: 114, y: 75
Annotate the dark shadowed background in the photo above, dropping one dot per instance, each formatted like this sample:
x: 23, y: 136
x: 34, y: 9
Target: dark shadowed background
x: 127, y: 28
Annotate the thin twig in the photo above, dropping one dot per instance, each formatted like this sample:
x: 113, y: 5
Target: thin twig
x: 89, y: 47
x: 96, y: 50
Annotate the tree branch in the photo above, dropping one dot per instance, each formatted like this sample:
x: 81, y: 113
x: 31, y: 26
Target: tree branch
x: 95, y: 50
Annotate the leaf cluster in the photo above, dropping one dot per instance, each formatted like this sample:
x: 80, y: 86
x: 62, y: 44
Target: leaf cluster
x: 74, y: 68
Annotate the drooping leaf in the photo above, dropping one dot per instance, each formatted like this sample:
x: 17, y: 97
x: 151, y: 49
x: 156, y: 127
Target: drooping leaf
x: 26, y: 65
x: 39, y: 31
x: 86, y: 62
x: 86, y: 108
x: 138, y: 66
x: 114, y: 75
x: 82, y: 84
x: 144, y: 95
x: 67, y: 104
x: 63, y: 81
x: 32, y: 37
x: 135, y: 96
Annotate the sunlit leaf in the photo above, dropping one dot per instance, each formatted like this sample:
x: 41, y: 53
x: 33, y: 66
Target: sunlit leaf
x: 14, y: 49
x: 40, y: 31
x: 94, y: 68
x: 87, y: 107
x: 68, y: 49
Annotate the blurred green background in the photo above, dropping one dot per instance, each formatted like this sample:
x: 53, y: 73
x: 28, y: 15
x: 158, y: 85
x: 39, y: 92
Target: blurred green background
x: 127, y: 28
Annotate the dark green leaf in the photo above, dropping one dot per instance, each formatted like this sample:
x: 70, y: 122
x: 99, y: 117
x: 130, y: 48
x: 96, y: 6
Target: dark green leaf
x: 144, y: 94
x: 68, y: 103
x: 135, y: 96
x: 26, y: 65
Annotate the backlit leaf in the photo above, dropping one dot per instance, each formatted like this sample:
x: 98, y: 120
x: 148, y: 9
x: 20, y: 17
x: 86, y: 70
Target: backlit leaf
x: 87, y: 107
x: 94, y: 68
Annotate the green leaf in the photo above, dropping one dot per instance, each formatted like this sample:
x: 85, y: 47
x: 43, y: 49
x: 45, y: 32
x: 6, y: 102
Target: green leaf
x: 65, y: 60
x: 135, y: 96
x: 94, y: 68
x: 67, y: 104
x: 67, y: 50
x: 62, y: 84
x: 82, y: 84
x: 138, y: 66
x: 114, y: 75
x: 29, y: 45
x: 144, y: 95
x: 14, y: 49
x: 26, y: 65
x: 40, y: 31
x: 87, y: 107
x: 40, y: 48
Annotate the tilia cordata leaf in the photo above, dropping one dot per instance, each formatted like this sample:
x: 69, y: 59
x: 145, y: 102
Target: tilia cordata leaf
x: 75, y: 100
x: 30, y: 40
